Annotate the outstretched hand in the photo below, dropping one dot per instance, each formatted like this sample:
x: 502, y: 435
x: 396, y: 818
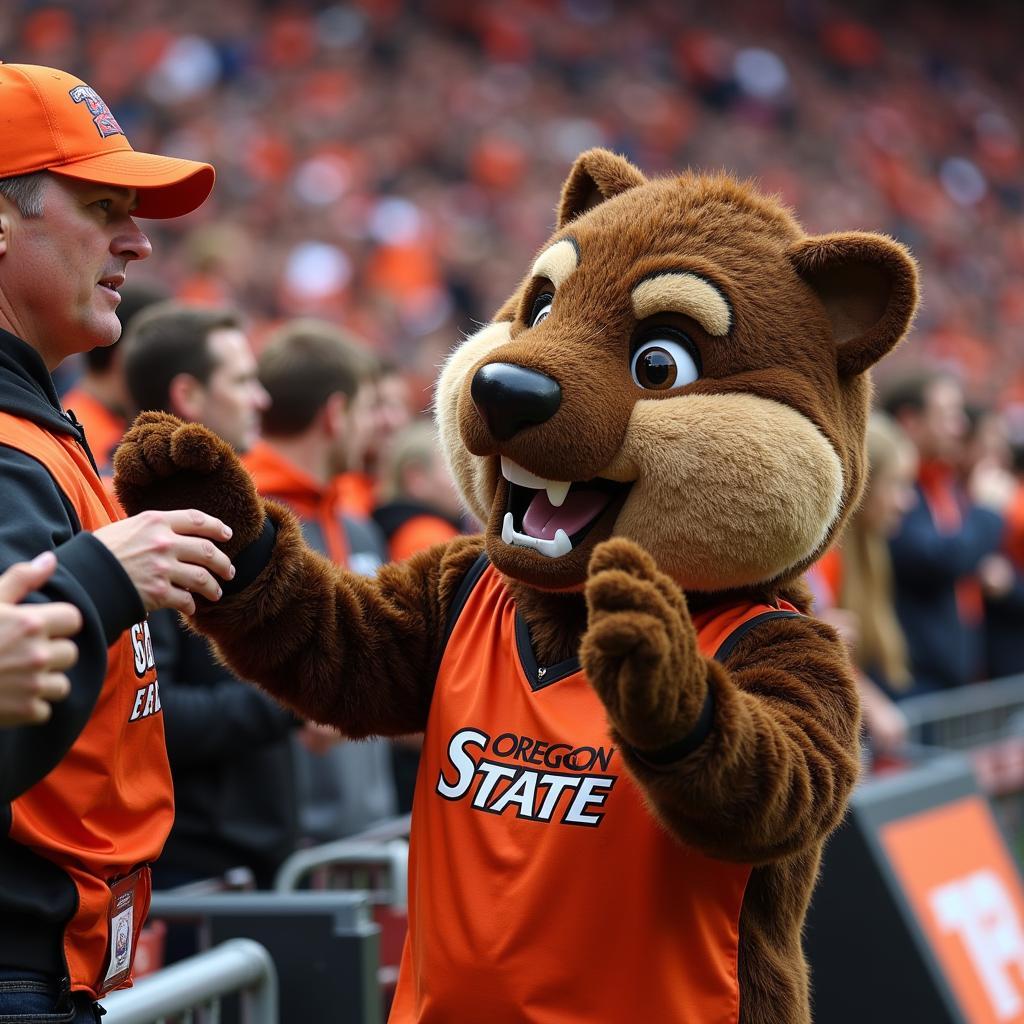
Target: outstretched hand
x: 163, y: 463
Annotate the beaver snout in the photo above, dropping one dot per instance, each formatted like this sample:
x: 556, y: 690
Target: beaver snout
x: 511, y: 398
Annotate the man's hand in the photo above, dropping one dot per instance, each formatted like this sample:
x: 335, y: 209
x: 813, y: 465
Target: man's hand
x: 170, y: 555
x: 34, y: 649
x: 991, y: 486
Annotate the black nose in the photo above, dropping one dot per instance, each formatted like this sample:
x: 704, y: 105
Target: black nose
x: 511, y: 398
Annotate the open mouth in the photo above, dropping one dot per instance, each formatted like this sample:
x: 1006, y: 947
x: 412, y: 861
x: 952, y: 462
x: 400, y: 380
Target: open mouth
x: 552, y: 517
x: 112, y: 284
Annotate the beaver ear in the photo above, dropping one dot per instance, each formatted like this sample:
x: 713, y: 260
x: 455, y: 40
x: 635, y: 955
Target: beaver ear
x: 597, y: 175
x: 868, y: 286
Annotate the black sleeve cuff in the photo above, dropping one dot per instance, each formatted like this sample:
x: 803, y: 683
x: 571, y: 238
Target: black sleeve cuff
x: 251, y: 561
x: 101, y: 576
x: 667, y: 757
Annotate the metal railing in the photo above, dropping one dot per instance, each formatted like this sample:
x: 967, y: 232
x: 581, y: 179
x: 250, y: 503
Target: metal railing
x: 382, y: 869
x: 968, y: 716
x: 325, y: 946
x: 198, y: 984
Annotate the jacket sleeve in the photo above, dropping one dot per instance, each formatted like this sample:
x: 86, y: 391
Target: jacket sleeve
x: 923, y: 557
x: 215, y: 718
x: 36, y: 516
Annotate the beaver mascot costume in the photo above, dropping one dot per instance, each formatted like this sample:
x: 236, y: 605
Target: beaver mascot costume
x: 636, y: 737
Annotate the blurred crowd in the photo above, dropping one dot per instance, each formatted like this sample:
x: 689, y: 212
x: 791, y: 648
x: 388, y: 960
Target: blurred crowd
x: 395, y: 164
x: 927, y: 583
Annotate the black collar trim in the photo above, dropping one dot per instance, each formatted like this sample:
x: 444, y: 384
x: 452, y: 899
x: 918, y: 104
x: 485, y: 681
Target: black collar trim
x: 540, y: 676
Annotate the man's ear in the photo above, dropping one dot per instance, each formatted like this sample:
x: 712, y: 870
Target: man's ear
x: 184, y: 397
x: 597, y: 175
x: 5, y: 229
x: 335, y: 415
x: 868, y: 286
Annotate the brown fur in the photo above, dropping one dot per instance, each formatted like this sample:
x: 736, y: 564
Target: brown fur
x: 739, y: 481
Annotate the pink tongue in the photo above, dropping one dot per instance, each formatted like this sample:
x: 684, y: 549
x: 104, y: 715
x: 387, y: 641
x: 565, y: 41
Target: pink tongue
x: 543, y: 520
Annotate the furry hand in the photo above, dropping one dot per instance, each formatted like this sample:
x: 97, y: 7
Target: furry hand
x: 163, y: 463
x: 640, y: 648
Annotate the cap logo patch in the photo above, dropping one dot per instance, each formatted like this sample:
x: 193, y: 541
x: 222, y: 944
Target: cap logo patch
x: 104, y: 120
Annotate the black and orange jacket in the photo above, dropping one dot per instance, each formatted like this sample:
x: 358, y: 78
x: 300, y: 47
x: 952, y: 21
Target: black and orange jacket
x: 411, y: 526
x: 87, y: 796
x: 102, y: 426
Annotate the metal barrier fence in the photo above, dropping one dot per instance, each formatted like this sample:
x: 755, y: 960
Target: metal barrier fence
x: 198, y: 984
x: 986, y: 722
x: 325, y: 947
x: 381, y: 869
x: 969, y: 716
x: 375, y: 862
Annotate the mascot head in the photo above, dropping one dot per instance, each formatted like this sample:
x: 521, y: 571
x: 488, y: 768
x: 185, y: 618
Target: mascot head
x: 682, y: 366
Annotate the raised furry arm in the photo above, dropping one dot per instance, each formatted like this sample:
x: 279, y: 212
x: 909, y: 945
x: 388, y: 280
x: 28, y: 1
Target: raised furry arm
x: 339, y: 648
x: 775, y: 772
x: 351, y: 651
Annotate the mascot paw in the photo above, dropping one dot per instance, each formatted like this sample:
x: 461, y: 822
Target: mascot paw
x: 639, y: 650
x: 163, y: 463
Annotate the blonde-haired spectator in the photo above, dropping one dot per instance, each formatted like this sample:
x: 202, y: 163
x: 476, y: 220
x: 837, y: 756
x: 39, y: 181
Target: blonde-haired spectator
x: 855, y: 582
x: 421, y: 504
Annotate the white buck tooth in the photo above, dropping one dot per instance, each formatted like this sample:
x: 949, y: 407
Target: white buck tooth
x: 557, y: 490
x: 517, y: 474
x: 562, y: 544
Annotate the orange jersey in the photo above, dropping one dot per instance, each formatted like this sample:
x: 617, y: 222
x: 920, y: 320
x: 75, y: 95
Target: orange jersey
x: 107, y: 807
x: 103, y: 428
x: 540, y: 887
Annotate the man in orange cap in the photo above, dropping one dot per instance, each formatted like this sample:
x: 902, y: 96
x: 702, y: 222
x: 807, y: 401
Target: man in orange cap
x: 85, y: 799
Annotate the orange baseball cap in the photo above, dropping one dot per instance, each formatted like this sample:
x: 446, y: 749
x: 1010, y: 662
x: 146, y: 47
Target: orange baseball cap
x: 52, y: 121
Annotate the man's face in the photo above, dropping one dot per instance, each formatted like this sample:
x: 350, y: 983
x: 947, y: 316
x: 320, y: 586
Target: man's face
x: 364, y: 424
x: 232, y: 399
x: 395, y: 403
x: 60, y: 272
x: 944, y: 421
x: 379, y: 410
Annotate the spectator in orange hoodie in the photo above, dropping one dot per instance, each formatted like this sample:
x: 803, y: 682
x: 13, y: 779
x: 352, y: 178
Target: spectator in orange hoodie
x: 312, y: 372
x: 423, y: 508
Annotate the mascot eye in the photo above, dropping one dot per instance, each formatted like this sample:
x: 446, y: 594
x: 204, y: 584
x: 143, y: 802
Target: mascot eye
x: 541, y: 308
x: 663, y: 363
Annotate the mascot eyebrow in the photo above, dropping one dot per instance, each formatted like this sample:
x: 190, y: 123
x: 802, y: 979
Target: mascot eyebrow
x: 557, y: 261
x: 680, y: 291
x: 669, y: 291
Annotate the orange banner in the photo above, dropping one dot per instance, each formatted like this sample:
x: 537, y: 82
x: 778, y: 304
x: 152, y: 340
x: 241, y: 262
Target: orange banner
x: 967, y: 896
